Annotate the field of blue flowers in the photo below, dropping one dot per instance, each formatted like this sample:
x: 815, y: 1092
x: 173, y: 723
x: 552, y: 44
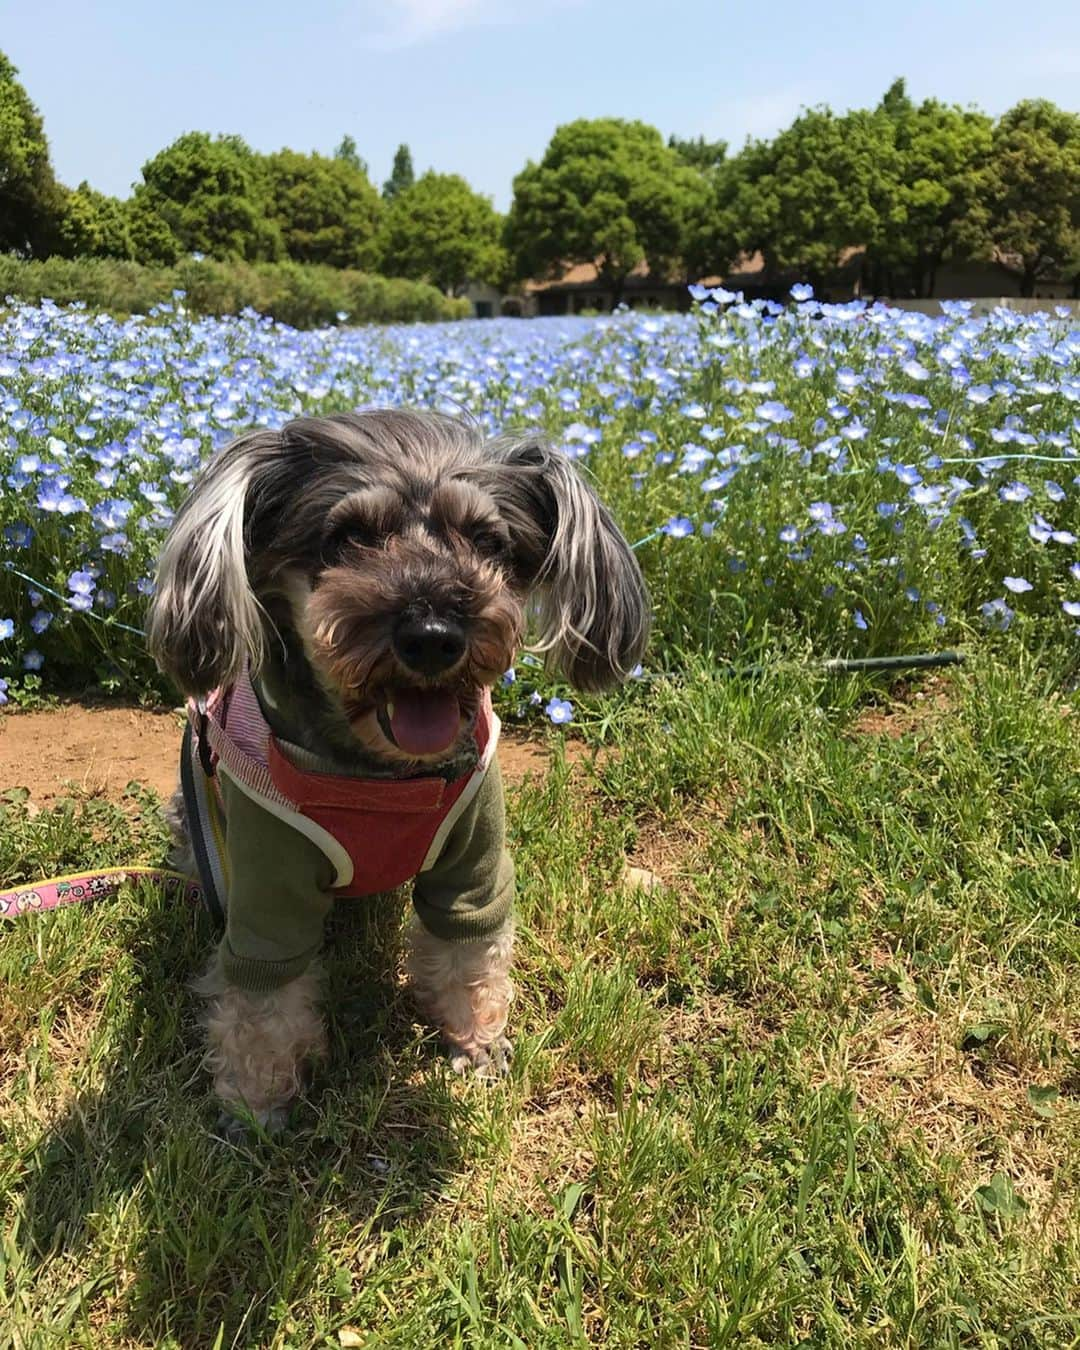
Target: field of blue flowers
x: 845, y: 479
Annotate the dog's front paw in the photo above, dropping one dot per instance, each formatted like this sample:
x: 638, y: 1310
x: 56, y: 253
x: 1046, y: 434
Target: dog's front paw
x: 241, y: 1129
x: 488, y: 1062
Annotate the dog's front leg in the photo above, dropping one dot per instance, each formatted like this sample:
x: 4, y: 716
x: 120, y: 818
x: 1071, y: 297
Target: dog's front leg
x: 466, y: 990
x: 260, y: 1045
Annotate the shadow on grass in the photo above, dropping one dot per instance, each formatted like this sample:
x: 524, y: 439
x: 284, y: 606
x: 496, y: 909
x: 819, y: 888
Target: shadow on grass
x: 194, y: 1236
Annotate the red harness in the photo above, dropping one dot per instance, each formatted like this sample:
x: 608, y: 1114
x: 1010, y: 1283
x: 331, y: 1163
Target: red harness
x: 377, y: 833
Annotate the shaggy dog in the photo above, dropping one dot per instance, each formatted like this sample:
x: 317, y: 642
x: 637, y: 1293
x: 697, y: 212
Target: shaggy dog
x: 336, y: 599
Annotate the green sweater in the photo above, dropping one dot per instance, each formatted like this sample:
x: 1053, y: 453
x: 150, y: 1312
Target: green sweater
x: 279, y: 882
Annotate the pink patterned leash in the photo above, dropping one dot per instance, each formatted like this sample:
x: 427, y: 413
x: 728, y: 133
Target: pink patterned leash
x: 80, y: 887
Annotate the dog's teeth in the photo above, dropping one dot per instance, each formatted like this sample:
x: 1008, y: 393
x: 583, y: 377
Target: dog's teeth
x: 389, y: 709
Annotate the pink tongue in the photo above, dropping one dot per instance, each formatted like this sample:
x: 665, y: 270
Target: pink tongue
x: 424, y: 721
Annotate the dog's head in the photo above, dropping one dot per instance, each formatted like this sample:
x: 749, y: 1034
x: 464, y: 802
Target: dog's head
x: 401, y: 549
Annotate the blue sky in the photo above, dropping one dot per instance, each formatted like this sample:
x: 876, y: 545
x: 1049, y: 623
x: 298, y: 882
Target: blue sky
x: 477, y: 86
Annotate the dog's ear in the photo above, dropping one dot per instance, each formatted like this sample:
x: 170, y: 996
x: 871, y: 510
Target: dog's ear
x: 592, y: 605
x: 204, y: 619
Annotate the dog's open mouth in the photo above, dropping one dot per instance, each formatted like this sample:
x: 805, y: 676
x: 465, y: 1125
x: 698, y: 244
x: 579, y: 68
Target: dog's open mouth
x: 421, y: 721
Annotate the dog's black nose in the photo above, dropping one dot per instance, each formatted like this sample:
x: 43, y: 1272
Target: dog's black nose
x: 429, y: 645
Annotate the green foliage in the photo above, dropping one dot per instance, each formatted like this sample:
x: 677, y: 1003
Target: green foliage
x: 92, y: 225
x: 301, y: 296
x: 1030, y: 191
x: 325, y: 210
x: 213, y: 194
x: 348, y: 153
x: 402, y: 176
x: 441, y: 231
x: 929, y: 170
x: 29, y: 196
x: 606, y: 191
x: 698, y: 152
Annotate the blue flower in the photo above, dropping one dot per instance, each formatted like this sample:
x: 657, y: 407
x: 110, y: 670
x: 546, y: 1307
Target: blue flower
x: 509, y: 676
x: 82, y: 583
x: 3, y: 692
x: 1071, y: 608
x: 33, y: 660
x: 1014, y: 492
x: 998, y: 615
x: 559, y: 711
x: 678, y: 527
x: 1018, y: 585
x: 7, y: 629
x: 801, y: 291
x: 858, y: 620
x: 772, y: 411
x: 1054, y: 491
x: 40, y: 620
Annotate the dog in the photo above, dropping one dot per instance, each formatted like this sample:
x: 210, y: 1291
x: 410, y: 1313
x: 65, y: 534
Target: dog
x: 336, y: 599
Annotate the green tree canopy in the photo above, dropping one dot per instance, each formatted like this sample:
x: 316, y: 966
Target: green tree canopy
x: 606, y: 191
x: 1029, y: 205
x: 925, y: 191
x: 325, y: 209
x: 212, y: 194
x: 348, y: 153
x: 698, y: 152
x: 441, y: 231
x: 29, y: 196
x: 92, y: 225
x: 402, y: 176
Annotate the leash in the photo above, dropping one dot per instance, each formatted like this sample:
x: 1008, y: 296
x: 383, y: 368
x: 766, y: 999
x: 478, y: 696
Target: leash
x: 80, y: 887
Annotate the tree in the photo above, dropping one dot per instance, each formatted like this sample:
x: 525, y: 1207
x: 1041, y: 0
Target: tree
x: 1030, y: 192
x: 92, y: 225
x: 212, y: 195
x: 807, y: 197
x: 350, y: 155
x: 699, y: 153
x: 401, y: 175
x: 29, y: 196
x: 441, y: 231
x: 926, y: 190
x: 608, y: 192
x: 325, y: 210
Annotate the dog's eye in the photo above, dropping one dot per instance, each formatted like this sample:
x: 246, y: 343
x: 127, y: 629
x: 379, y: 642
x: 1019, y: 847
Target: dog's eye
x: 351, y: 533
x: 490, y: 542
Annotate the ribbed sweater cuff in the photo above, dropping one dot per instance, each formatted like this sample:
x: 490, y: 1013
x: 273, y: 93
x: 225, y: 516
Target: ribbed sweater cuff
x: 260, y: 977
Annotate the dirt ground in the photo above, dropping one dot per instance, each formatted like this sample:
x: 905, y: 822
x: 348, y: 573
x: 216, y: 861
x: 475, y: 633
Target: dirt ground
x: 101, y: 750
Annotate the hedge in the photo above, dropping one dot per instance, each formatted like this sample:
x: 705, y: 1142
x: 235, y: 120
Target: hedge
x: 301, y: 295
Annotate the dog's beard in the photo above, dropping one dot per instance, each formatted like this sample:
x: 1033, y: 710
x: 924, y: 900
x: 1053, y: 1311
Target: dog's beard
x: 395, y: 714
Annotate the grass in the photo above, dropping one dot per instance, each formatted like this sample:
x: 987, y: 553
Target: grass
x: 820, y: 1088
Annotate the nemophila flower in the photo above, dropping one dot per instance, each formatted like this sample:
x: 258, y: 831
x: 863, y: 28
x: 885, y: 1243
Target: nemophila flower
x: 1054, y: 491
x: 789, y: 534
x: 1014, y: 492
x: 535, y: 699
x: 774, y: 412
x: 858, y: 620
x: 638, y: 672
x: 997, y: 615
x: 81, y: 602
x: 82, y: 583
x: 559, y: 711
x: 1018, y: 585
x: 19, y: 536
x: 7, y: 629
x: 3, y: 692
x: 40, y: 620
x: 801, y: 292
x: 678, y: 527
x: 926, y: 494
x: 33, y: 660
x: 887, y: 509
x: 1071, y: 608
x: 105, y: 599
x: 803, y: 367
x: 509, y: 676
x: 915, y: 370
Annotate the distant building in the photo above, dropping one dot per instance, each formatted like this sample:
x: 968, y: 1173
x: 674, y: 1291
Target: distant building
x: 580, y: 289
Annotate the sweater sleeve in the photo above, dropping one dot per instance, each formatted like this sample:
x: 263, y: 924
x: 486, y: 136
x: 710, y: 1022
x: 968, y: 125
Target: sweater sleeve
x: 469, y: 891
x: 278, y: 896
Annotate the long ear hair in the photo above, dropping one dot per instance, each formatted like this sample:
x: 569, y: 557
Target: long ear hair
x: 204, y: 619
x: 592, y: 605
